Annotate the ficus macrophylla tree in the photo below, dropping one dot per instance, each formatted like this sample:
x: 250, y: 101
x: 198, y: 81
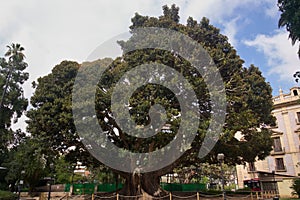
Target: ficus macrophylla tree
x: 247, y: 110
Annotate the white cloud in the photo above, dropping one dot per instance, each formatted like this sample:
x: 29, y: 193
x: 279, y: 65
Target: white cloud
x: 271, y: 8
x: 272, y: 11
x: 281, y: 56
x: 227, y: 13
x: 217, y: 10
x: 231, y: 29
x: 52, y: 31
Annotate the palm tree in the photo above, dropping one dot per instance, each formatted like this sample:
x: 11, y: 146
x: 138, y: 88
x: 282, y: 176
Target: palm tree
x: 15, y: 52
x: 15, y: 57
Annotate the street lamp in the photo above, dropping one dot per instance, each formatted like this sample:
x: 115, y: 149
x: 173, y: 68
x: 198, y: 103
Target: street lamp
x: 49, y: 183
x: 220, y: 158
x: 275, y: 185
x: 21, y: 182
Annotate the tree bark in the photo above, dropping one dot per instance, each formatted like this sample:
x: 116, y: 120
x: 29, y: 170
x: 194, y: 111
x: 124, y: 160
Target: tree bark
x: 151, y: 185
x: 142, y: 184
x: 147, y: 184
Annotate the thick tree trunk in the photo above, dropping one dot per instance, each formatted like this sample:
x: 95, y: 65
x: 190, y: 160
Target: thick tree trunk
x: 151, y: 185
x: 132, y: 186
x: 147, y: 184
x: 142, y: 184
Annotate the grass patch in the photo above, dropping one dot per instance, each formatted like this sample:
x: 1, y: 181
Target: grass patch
x: 5, y: 195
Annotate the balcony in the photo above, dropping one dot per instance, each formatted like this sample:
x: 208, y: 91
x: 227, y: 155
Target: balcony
x: 251, y: 169
x: 278, y: 151
x: 280, y: 168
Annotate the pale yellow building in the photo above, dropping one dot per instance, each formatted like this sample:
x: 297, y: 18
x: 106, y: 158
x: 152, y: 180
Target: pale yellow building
x: 277, y: 170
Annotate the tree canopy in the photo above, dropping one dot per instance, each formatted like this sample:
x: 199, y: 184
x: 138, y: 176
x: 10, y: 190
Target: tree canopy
x: 28, y: 157
x: 12, y: 102
x: 290, y: 19
x: 248, y: 97
x: 50, y: 119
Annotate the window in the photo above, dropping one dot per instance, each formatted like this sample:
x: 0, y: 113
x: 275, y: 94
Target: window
x: 295, y: 92
x: 279, y: 164
x: 251, y: 166
x: 277, y: 144
x: 298, y: 117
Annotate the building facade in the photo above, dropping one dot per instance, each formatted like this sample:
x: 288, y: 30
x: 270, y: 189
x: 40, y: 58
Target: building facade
x: 283, y: 164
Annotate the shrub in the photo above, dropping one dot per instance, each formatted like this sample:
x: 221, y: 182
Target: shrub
x: 5, y: 195
x: 296, y: 187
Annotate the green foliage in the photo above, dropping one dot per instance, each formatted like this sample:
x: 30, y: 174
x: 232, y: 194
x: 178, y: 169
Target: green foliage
x: 290, y: 19
x: 51, y: 111
x: 63, y: 171
x: 249, y: 102
x: 203, y: 173
x: 3, y: 172
x: 12, y: 102
x: 102, y: 174
x: 26, y: 162
x: 248, y: 95
x: 5, y: 195
x: 204, y: 180
x: 50, y: 119
x: 297, y: 76
x: 296, y: 187
x: 171, y: 13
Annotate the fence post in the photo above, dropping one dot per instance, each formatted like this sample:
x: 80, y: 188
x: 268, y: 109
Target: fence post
x: 71, y: 189
x: 198, y: 196
x: 96, y: 188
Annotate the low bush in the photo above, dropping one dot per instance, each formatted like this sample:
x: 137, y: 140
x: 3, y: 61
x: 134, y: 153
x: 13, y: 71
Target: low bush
x: 5, y: 195
x: 296, y: 187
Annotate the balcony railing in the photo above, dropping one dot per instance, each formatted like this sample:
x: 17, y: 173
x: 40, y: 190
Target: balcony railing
x: 251, y: 169
x: 280, y: 168
x: 278, y: 151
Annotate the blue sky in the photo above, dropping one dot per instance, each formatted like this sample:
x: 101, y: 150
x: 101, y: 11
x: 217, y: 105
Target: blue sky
x: 52, y: 31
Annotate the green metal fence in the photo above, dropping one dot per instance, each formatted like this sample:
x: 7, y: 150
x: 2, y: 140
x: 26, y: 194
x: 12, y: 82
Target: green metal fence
x: 79, y: 189
x: 108, y: 187
x: 192, y: 187
x: 67, y: 187
x: 89, y: 188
